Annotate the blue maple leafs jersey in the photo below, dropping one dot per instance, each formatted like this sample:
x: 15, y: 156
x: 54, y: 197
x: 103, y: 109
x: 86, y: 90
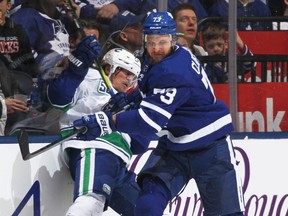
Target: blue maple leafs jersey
x: 180, y: 105
x: 46, y: 35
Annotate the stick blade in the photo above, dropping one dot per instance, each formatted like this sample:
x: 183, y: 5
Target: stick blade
x: 23, y: 140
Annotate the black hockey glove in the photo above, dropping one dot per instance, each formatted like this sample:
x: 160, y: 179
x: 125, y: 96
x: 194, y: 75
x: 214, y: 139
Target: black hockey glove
x: 83, y: 56
x: 123, y: 101
x: 98, y: 124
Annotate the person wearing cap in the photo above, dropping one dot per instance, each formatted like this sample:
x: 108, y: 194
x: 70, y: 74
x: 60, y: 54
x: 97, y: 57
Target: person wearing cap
x: 192, y: 125
x: 126, y: 33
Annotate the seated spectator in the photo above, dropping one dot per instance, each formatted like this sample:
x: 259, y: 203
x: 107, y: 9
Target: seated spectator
x: 46, y: 118
x: 89, y: 26
x: 245, y: 8
x: 142, y: 7
x: 126, y: 33
x: 11, y: 109
x: 215, y: 43
x: 53, y: 68
x: 15, y: 49
x: 283, y: 25
x: 44, y: 25
x: 187, y: 24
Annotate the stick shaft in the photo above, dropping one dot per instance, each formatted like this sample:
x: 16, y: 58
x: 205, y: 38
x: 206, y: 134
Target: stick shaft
x: 24, y: 143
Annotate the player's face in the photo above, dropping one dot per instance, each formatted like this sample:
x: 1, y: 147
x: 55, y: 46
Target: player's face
x: 215, y: 47
x: 187, y: 23
x: 123, y: 80
x: 158, y: 47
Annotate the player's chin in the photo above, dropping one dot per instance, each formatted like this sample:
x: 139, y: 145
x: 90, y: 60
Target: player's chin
x: 157, y: 57
x: 124, y: 88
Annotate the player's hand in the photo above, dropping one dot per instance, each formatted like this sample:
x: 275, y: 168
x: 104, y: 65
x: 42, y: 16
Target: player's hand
x: 108, y: 11
x: 84, y: 54
x: 116, y: 102
x: 98, y: 124
x: 123, y: 101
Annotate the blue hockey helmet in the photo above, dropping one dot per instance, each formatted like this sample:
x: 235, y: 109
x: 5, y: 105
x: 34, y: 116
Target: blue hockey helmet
x: 159, y: 23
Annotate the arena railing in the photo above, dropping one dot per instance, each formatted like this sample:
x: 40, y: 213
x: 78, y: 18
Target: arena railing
x: 240, y: 19
x: 269, y: 68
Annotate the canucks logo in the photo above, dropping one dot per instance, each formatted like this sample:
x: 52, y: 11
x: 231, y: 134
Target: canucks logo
x: 106, y: 188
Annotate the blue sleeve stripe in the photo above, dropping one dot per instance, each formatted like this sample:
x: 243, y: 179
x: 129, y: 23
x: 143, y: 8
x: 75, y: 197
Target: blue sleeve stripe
x: 156, y: 108
x: 149, y: 120
x: 209, y: 129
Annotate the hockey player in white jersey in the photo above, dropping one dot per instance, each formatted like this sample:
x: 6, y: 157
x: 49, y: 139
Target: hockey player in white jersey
x: 193, y: 128
x: 95, y: 165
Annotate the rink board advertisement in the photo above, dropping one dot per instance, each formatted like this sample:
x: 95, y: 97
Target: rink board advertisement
x: 262, y: 107
x: 42, y: 185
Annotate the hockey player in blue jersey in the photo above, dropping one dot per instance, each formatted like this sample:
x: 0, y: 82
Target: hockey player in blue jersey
x: 193, y: 128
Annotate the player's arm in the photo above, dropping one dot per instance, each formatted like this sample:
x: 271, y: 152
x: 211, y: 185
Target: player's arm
x: 62, y: 89
x: 153, y: 114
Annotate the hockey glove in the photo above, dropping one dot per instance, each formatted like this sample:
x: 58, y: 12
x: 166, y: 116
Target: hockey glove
x: 98, y: 124
x: 83, y: 56
x: 123, y: 101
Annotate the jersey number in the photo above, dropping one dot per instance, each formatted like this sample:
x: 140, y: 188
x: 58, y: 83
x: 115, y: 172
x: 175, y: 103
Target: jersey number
x: 167, y: 94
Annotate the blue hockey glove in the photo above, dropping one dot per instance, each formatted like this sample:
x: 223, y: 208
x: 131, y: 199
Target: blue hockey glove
x: 121, y: 101
x: 135, y: 97
x: 98, y: 124
x: 83, y: 56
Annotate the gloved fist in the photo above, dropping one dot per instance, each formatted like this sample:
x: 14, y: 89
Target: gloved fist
x: 98, y: 124
x: 116, y: 102
x: 83, y: 56
x: 121, y: 101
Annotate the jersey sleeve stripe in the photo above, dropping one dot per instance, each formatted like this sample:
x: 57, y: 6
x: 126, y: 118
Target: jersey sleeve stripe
x: 197, y: 134
x: 149, y: 120
x: 156, y: 108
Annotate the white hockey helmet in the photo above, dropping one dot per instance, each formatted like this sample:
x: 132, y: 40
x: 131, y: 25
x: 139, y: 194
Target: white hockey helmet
x: 122, y: 58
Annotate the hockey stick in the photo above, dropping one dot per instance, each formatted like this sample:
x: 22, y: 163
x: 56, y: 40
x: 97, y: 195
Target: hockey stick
x: 23, y: 140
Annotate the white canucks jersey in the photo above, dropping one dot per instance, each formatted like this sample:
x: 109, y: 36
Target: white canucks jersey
x: 89, y: 97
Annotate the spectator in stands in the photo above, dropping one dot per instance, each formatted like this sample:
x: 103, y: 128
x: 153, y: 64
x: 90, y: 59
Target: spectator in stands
x: 142, y: 7
x: 15, y: 49
x: 215, y: 43
x: 44, y: 25
x: 245, y: 8
x: 87, y: 26
x: 46, y: 119
x: 283, y: 25
x: 8, y: 105
x: 126, y: 33
x: 187, y: 24
x: 90, y: 26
